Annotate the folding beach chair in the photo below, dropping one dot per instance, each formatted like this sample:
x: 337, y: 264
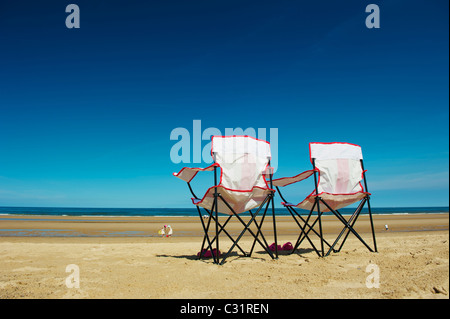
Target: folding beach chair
x: 338, y: 170
x: 244, y: 164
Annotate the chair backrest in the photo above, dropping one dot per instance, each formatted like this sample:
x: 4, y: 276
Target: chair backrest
x: 242, y: 160
x: 339, y: 164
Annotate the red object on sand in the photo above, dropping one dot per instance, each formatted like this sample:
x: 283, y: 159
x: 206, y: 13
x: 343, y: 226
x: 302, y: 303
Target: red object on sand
x: 207, y: 253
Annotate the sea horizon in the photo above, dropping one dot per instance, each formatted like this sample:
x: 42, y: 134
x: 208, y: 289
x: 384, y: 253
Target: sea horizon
x: 190, y: 212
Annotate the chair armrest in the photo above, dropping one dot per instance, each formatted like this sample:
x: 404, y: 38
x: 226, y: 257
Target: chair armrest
x: 284, y: 181
x: 188, y: 173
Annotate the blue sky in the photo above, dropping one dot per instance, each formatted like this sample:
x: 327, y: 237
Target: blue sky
x: 86, y: 114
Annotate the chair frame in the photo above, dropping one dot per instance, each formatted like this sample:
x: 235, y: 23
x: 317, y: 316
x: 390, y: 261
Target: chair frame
x: 214, y: 217
x: 348, y: 223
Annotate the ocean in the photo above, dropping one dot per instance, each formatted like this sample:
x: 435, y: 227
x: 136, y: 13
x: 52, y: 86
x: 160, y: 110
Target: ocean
x: 181, y: 212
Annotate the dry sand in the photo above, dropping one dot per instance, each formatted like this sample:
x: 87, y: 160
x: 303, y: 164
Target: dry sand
x: 125, y: 258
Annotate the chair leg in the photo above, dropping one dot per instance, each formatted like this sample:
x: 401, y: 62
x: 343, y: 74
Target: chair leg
x: 259, y: 227
x: 257, y: 234
x: 246, y: 227
x: 311, y: 227
x: 206, y: 236
x: 222, y: 228
x: 274, y: 225
x: 351, y: 221
x: 320, y: 225
x: 371, y: 224
x: 303, y: 234
x: 217, y: 227
x: 347, y: 224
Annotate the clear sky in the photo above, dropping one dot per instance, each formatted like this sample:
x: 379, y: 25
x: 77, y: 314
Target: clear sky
x: 86, y: 113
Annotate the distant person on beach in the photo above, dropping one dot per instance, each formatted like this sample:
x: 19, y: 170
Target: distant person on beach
x: 386, y: 227
x: 162, y: 231
x: 170, y: 231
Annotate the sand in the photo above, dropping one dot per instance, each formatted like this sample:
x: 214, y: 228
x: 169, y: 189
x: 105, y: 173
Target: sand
x: 125, y: 258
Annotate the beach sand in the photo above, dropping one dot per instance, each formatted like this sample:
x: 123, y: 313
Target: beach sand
x: 124, y: 257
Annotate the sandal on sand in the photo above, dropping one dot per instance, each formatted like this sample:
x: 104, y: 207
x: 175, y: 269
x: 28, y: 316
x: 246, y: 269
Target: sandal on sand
x: 272, y: 247
x: 207, y: 253
x: 288, y: 246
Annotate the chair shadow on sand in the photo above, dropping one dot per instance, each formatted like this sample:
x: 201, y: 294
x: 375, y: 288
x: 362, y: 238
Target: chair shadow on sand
x: 299, y: 252
x: 195, y: 257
